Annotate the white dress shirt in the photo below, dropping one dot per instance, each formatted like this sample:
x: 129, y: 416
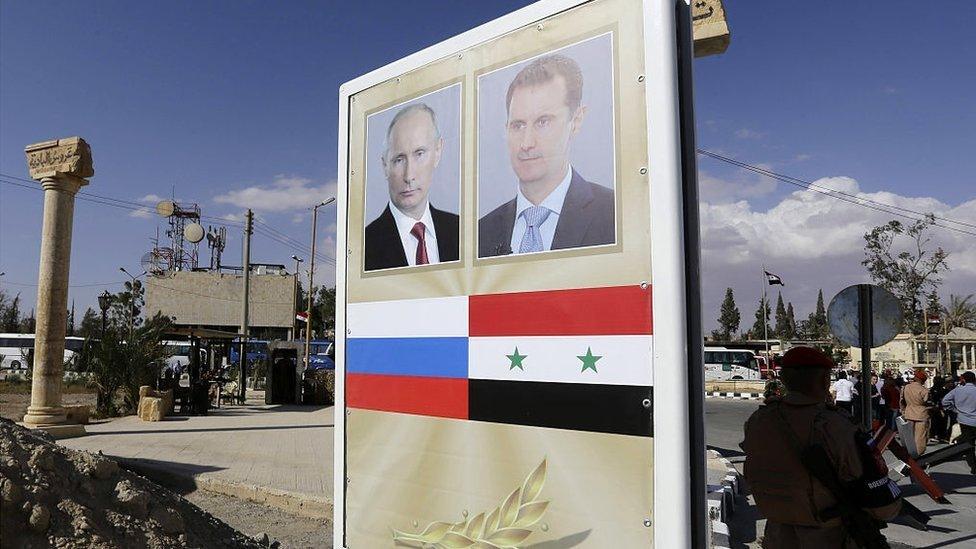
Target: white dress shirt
x: 553, y: 202
x: 844, y: 390
x: 405, y: 224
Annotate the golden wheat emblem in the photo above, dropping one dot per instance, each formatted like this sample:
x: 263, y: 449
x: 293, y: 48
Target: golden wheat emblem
x: 503, y: 528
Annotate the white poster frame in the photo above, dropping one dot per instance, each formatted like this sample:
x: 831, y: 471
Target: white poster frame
x: 672, y: 519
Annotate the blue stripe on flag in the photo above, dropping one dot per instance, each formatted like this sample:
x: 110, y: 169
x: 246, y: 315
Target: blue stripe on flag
x: 408, y: 356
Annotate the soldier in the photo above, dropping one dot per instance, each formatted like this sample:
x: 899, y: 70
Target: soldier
x: 804, y: 506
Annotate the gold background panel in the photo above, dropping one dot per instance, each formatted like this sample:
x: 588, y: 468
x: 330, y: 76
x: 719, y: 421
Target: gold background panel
x: 404, y: 469
x: 626, y: 262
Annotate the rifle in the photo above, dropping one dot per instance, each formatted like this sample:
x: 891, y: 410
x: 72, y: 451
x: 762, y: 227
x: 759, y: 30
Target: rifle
x: 862, y: 527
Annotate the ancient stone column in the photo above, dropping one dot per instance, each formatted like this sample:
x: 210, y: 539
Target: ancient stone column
x: 62, y: 166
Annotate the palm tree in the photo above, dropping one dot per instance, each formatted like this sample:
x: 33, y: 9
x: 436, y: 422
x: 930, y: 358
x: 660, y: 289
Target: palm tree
x: 959, y: 313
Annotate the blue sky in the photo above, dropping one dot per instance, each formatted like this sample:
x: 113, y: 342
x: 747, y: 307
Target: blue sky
x: 235, y: 104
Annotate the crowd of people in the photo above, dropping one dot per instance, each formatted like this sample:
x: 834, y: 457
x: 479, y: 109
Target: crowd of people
x: 937, y: 410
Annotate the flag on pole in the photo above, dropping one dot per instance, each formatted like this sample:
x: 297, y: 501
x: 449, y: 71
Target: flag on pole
x: 301, y: 315
x: 568, y: 359
x: 773, y: 279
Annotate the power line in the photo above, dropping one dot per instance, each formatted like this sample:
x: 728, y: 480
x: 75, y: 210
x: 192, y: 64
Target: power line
x: 269, y: 231
x: 92, y: 285
x: 840, y: 195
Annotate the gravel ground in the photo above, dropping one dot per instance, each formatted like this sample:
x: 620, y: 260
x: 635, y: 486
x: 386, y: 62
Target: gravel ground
x: 13, y: 406
x: 254, y: 519
x: 55, y: 497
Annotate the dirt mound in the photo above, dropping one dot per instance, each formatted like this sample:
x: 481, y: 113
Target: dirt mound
x: 56, y: 497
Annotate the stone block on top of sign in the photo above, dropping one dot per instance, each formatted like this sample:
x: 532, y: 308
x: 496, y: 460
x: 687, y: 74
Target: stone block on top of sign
x: 58, y: 157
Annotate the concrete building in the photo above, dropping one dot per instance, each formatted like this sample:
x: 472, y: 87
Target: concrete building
x: 908, y: 350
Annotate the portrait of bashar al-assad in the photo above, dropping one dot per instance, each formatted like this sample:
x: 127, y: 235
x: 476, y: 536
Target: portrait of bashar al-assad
x: 550, y: 199
x: 410, y: 229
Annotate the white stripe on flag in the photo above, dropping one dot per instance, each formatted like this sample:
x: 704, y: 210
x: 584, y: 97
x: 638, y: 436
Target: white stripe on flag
x: 623, y: 360
x: 434, y: 317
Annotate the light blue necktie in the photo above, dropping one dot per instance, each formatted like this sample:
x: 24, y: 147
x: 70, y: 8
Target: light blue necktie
x: 534, y: 216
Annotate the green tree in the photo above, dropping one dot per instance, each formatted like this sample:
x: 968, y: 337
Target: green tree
x: 816, y: 325
x: 761, y: 326
x: 91, y: 324
x: 729, y: 318
x: 127, y: 307
x: 28, y: 324
x: 899, y: 258
x: 782, y: 321
x: 119, y: 364
x: 10, y: 314
x: 71, y: 320
x: 790, y: 322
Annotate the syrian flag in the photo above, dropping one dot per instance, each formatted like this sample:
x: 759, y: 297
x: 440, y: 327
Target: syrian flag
x: 575, y: 359
x: 934, y: 319
x: 301, y: 315
x: 773, y: 279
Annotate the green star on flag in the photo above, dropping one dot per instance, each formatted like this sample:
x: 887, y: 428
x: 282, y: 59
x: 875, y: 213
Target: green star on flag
x: 589, y: 360
x: 516, y: 360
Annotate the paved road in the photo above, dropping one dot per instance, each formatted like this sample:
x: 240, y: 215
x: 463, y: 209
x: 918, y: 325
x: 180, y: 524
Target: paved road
x: 280, y: 447
x: 952, y: 525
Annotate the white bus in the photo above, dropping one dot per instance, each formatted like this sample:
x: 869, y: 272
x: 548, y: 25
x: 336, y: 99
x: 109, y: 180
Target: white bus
x: 723, y: 364
x: 15, y: 350
x: 179, y: 355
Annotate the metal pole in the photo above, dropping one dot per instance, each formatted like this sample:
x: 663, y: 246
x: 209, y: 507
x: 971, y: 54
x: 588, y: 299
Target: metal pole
x: 295, y: 298
x: 244, y: 306
x: 311, y: 274
x: 104, y: 311
x: 762, y: 311
x: 866, y: 329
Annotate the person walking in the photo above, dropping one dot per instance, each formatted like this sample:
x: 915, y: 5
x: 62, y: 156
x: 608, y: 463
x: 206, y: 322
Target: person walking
x: 915, y: 406
x: 799, y: 508
x: 892, y: 397
x: 962, y: 400
x: 937, y: 414
x: 843, y: 391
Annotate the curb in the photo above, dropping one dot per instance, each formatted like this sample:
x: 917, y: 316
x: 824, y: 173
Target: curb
x: 737, y: 396
x: 291, y: 502
x: 721, y: 502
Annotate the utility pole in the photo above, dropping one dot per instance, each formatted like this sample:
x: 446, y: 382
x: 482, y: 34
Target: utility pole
x: 242, y: 380
x: 294, y: 293
x: 311, y: 274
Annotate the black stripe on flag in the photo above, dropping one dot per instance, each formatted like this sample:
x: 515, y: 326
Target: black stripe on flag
x: 615, y: 409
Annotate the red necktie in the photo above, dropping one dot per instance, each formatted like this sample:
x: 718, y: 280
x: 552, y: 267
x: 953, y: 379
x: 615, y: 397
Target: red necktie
x: 418, y: 232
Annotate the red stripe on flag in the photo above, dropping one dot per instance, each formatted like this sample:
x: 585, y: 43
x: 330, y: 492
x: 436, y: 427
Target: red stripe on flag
x: 617, y: 310
x: 425, y: 396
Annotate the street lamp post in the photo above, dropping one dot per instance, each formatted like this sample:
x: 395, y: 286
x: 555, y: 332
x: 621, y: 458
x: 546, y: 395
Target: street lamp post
x: 132, y: 299
x: 104, y: 302
x: 311, y: 275
x: 294, y: 292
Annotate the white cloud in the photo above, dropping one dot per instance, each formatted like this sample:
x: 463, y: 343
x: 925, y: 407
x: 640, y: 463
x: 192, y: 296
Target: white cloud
x: 152, y: 199
x: 142, y: 213
x: 813, y: 241
x: 284, y: 194
x: 746, y: 133
x: 802, y: 157
x: 716, y: 190
x: 232, y: 217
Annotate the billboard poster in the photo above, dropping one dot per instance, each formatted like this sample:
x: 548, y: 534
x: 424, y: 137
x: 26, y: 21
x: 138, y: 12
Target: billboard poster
x: 497, y: 294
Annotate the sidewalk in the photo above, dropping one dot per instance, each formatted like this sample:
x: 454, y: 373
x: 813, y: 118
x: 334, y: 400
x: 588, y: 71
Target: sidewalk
x: 275, y: 454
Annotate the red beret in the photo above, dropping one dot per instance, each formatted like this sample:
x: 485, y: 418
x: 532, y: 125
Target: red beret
x: 920, y: 375
x: 806, y: 357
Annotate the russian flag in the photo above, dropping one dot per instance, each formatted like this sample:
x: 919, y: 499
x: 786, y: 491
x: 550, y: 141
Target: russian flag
x: 571, y: 359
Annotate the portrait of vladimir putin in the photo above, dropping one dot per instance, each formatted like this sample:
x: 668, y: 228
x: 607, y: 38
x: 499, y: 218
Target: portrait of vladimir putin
x: 410, y: 230
x: 554, y: 206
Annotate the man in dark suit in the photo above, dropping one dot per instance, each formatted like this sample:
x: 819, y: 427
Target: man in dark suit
x: 554, y: 207
x: 410, y: 231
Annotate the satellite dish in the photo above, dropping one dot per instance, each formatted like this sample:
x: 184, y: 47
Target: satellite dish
x: 154, y: 263
x: 166, y: 208
x: 194, y: 232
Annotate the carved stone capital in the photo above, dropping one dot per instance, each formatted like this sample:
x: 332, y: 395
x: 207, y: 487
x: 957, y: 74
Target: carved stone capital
x: 59, y: 157
x: 710, y: 28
